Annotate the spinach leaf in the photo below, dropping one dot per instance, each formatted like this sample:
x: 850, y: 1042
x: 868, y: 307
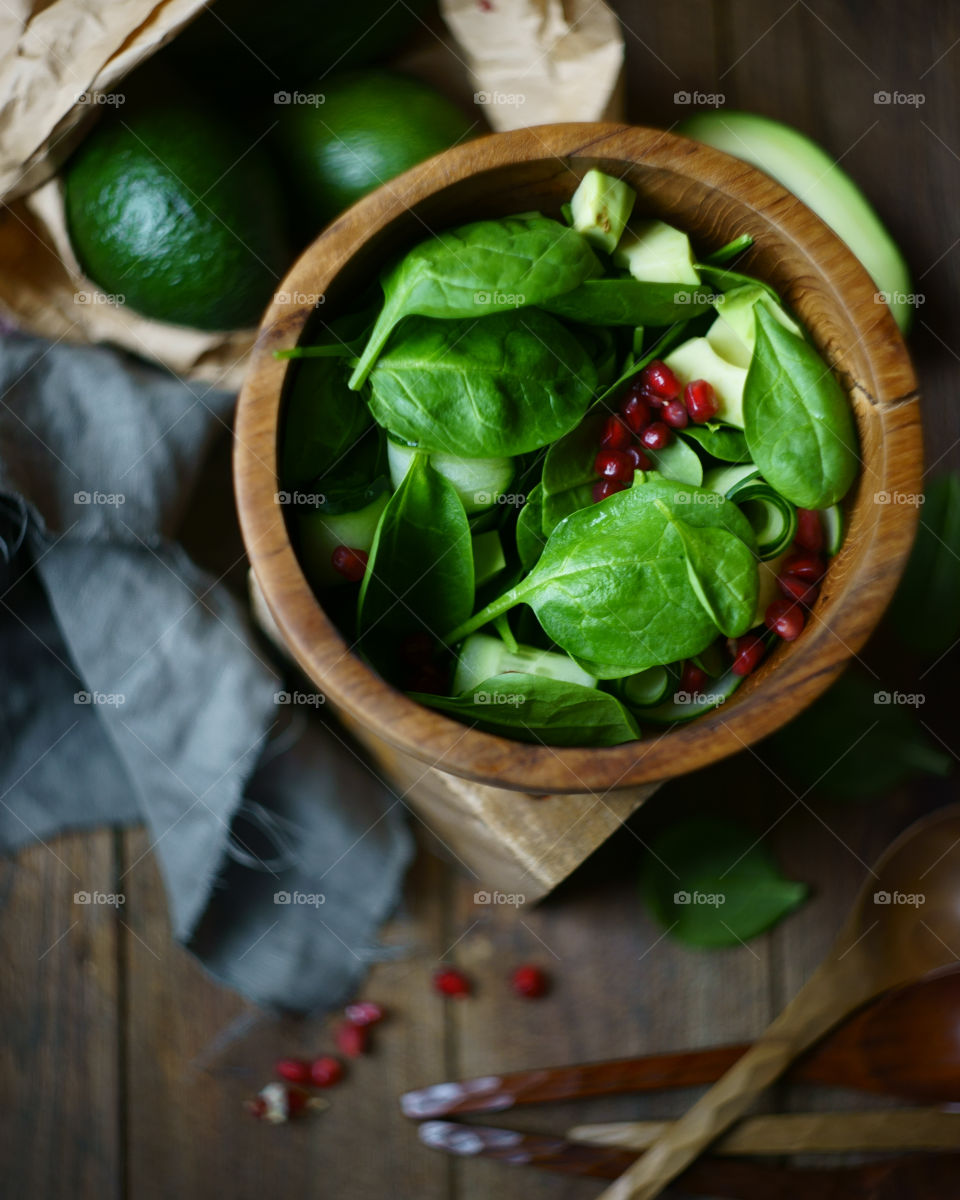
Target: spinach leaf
x: 713, y: 884
x: 730, y: 250
x: 797, y: 421
x: 532, y: 708
x: 719, y: 441
x: 925, y: 614
x: 723, y: 572
x: 677, y: 461
x: 482, y: 389
x: 725, y: 280
x: 355, y: 479
x: 629, y: 302
x: 530, y: 536
x: 323, y: 420
x: 614, y: 585
x: 421, y: 563
x: 476, y: 269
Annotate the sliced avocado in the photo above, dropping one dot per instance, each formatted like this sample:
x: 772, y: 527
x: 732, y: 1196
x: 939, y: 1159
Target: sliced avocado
x: 697, y: 359
x: 600, y: 209
x: 734, y: 333
x: 479, y: 482
x: 656, y: 253
x: 481, y: 657
x: 488, y: 557
x: 321, y: 533
x: 810, y: 173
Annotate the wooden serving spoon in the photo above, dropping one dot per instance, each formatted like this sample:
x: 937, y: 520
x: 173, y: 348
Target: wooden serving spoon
x: 891, y: 937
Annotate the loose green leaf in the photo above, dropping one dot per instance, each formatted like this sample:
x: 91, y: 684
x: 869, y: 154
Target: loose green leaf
x: 797, y: 421
x: 481, y: 389
x: 478, y: 269
x: 532, y: 708
x: 629, y: 302
x: 713, y: 884
x: 722, y: 442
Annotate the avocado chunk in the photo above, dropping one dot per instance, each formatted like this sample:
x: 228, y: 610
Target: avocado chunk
x: 322, y: 532
x: 600, y: 209
x: 697, y: 359
x: 734, y: 333
x: 655, y: 252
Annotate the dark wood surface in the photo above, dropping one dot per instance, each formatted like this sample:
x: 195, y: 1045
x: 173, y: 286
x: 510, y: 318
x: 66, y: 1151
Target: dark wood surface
x: 123, y: 1066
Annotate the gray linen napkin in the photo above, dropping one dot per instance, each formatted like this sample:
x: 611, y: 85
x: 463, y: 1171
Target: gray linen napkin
x: 136, y: 688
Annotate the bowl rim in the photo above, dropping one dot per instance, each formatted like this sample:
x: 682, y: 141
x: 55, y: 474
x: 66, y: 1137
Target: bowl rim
x: 787, y: 681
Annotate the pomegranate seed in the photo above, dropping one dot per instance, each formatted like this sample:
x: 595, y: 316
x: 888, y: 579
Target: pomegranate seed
x: 675, y: 415
x: 294, y: 1070
x: 615, y: 435
x: 364, y: 1013
x: 656, y: 436
x: 807, y: 566
x: 635, y: 412
x: 613, y: 464
x: 325, y: 1072
x: 352, y: 1039
x: 748, y: 651
x: 638, y: 458
x: 530, y: 981
x: 606, y: 487
x: 277, y: 1103
x: 351, y: 564
x: 795, y: 588
x: 701, y: 401
x: 416, y: 648
x: 785, y: 618
x: 657, y: 377
x: 692, y: 678
x: 451, y: 982
x: 809, y: 530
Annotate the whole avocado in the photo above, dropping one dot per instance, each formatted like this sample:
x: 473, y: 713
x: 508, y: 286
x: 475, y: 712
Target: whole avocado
x: 168, y: 205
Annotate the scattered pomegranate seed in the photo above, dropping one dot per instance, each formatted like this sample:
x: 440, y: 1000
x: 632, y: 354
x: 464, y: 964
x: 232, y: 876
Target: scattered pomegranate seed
x: 692, y: 678
x: 807, y: 566
x: 785, y: 618
x: 635, y: 412
x: 605, y: 488
x: 638, y: 458
x: 613, y: 464
x: 657, y: 377
x: 675, y: 415
x: 748, y: 652
x: 277, y: 1103
x: 530, y: 981
x: 795, y: 588
x: 294, y: 1070
x: 615, y: 435
x: 450, y: 982
x: 352, y: 1039
x: 416, y: 648
x: 325, y: 1072
x: 701, y: 401
x: 809, y: 530
x: 364, y: 1013
x: 351, y: 564
x: 656, y: 436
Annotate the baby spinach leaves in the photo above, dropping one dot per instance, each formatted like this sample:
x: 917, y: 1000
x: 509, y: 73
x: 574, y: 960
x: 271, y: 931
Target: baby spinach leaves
x: 713, y: 884
x: 324, y: 419
x: 532, y: 708
x: 629, y: 302
x: 530, y: 535
x: 797, y: 420
x: 495, y: 387
x: 719, y: 441
x: 473, y: 270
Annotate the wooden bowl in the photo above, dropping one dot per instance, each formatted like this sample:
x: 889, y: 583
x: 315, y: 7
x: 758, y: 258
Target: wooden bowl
x: 715, y: 198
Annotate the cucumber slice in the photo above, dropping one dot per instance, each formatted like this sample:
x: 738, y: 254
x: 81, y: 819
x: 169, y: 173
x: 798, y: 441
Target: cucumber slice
x: 655, y: 252
x: 482, y: 657
x: 479, y: 482
x: 697, y: 359
x: 646, y: 687
x: 672, y: 712
x: 488, y: 557
x: 601, y: 207
x: 832, y: 521
x: 809, y: 172
x: 773, y: 517
x: 726, y: 480
x: 321, y: 533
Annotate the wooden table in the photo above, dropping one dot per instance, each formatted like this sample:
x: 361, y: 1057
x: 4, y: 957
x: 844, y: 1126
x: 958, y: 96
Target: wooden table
x: 124, y: 1067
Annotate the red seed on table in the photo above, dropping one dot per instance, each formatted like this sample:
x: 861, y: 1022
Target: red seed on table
x: 530, y: 981
x: 606, y: 487
x: 748, y: 652
x: 364, y: 1013
x: 701, y: 401
x: 351, y: 564
x: 615, y: 434
x: 675, y: 415
x: 638, y: 458
x: 325, y: 1071
x: 613, y: 464
x: 294, y: 1070
x: 692, y: 678
x: 657, y: 377
x: 352, y: 1039
x: 809, y: 534
x: 656, y: 436
x: 785, y: 618
x: 635, y: 412
x: 795, y: 588
x: 807, y: 566
x: 450, y: 982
